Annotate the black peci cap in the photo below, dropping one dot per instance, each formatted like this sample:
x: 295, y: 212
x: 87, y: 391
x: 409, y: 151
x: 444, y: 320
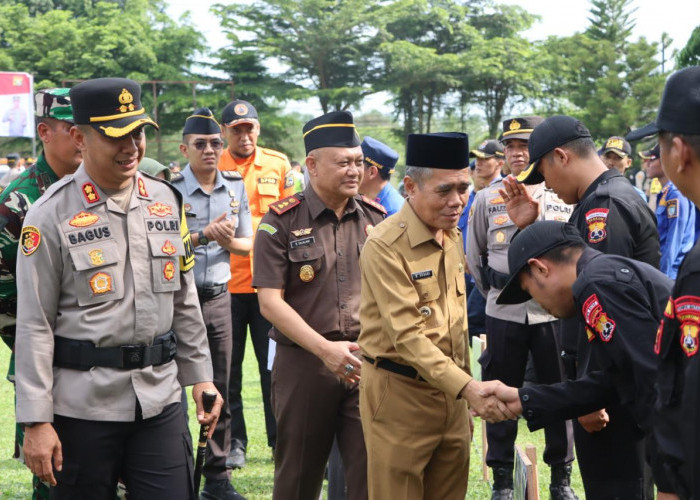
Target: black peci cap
x: 443, y: 150
x: 533, y: 241
x: 680, y: 106
x: 334, y: 129
x: 202, y: 121
x: 520, y: 127
x: 553, y: 132
x: 111, y: 105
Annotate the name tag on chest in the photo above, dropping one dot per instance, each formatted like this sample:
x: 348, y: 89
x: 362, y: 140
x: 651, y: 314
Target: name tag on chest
x: 420, y: 275
x: 304, y: 242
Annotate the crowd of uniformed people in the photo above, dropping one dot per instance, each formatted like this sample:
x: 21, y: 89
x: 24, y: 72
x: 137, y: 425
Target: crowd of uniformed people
x: 121, y: 282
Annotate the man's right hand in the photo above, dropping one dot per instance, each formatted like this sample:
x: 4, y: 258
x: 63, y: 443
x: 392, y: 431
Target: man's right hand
x: 42, y: 449
x: 594, y: 422
x: 484, y: 401
x: 337, y: 355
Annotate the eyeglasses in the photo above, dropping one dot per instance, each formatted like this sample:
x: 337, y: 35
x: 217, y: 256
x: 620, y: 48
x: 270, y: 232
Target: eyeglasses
x: 201, y: 145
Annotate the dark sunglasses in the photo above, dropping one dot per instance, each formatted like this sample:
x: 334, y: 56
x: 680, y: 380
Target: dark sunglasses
x: 201, y: 145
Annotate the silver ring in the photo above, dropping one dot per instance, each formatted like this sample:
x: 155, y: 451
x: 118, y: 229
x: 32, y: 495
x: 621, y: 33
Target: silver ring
x: 349, y: 369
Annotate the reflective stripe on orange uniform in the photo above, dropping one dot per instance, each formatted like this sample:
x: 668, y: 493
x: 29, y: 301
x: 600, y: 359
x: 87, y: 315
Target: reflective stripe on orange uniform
x: 267, y: 176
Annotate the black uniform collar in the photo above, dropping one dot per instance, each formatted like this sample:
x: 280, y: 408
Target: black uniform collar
x: 608, y: 174
x: 588, y: 255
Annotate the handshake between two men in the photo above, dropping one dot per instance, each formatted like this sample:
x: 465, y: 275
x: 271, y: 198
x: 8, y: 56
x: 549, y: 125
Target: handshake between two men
x: 493, y: 401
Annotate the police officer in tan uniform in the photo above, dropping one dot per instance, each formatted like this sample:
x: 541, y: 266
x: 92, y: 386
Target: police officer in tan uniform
x: 416, y: 380
x: 307, y: 275
x: 513, y: 331
x: 109, y: 327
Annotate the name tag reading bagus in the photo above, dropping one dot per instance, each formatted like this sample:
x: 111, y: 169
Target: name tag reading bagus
x: 304, y: 242
x: 422, y: 274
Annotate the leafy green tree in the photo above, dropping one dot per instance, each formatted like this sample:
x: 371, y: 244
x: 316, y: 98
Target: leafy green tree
x: 690, y: 54
x: 325, y: 45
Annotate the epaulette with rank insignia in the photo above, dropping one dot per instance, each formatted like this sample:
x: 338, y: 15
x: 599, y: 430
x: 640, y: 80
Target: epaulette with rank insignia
x: 374, y: 204
x: 285, y: 205
x: 231, y: 174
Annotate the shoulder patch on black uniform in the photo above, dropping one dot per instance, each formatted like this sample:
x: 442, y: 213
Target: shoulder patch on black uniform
x: 376, y: 205
x: 231, y: 174
x: 282, y: 206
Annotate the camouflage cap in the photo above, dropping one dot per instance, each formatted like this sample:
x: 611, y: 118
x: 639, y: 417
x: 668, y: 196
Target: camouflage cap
x: 54, y: 103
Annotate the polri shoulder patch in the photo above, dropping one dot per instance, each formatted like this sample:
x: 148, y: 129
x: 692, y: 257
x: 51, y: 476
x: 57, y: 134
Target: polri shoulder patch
x: 285, y: 205
x: 233, y: 175
x: 30, y: 240
x: 374, y: 204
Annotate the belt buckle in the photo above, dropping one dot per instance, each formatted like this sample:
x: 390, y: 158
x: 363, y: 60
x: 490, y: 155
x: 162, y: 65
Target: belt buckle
x: 132, y: 355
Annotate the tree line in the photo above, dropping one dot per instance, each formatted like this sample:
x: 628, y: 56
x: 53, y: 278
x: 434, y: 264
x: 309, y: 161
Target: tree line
x: 442, y: 62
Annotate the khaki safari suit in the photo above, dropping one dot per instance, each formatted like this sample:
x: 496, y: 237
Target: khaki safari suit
x: 302, y: 248
x: 413, y: 314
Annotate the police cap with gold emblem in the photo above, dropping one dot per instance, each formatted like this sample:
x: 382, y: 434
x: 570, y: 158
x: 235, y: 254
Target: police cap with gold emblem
x: 334, y: 129
x: 443, y: 150
x: 520, y: 127
x: 552, y: 133
x: 379, y: 155
x: 202, y: 121
x: 488, y: 149
x: 54, y: 103
x: 111, y: 105
x: 237, y: 112
x: 617, y: 145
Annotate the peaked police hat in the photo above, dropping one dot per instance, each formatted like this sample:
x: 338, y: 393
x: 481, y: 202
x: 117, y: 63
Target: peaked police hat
x: 111, y: 105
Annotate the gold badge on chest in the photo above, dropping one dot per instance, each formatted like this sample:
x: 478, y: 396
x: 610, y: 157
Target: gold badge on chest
x: 307, y: 273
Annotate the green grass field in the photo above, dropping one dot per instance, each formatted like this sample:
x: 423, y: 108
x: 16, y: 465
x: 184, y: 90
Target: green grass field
x: 255, y: 480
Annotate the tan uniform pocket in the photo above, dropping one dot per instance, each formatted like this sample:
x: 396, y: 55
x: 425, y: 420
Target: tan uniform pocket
x: 95, y: 272
x: 165, y: 270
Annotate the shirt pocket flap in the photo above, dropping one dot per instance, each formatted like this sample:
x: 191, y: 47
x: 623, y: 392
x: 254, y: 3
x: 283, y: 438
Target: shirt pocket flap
x: 265, y: 189
x: 304, y: 254
x: 95, y: 255
x: 428, y: 289
x: 163, y: 245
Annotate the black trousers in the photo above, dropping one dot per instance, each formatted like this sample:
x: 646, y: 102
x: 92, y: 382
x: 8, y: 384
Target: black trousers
x: 245, y: 313
x: 216, y: 312
x: 152, y: 456
x: 505, y: 359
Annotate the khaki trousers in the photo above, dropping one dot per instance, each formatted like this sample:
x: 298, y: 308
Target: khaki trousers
x: 417, y: 438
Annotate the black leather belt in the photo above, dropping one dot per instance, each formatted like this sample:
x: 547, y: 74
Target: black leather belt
x: 209, y: 292
x: 83, y: 355
x: 388, y: 365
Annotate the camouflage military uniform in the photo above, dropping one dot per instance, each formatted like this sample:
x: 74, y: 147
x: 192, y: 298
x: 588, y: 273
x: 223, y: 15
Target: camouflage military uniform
x: 15, y: 200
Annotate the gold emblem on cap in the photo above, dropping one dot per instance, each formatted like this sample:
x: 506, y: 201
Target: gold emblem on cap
x: 614, y: 143
x: 126, y: 99
x: 306, y: 273
x: 514, y: 125
x: 500, y: 236
x: 241, y: 109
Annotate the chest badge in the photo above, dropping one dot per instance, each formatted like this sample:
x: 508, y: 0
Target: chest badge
x: 97, y: 258
x: 83, y: 219
x: 90, y: 193
x: 101, y: 283
x: 302, y: 232
x: 307, y: 273
x: 500, y: 220
x: 168, y: 248
x: 160, y: 209
x: 169, y: 270
x: 500, y: 237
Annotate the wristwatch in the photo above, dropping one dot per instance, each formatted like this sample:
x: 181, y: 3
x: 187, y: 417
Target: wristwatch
x: 203, y: 240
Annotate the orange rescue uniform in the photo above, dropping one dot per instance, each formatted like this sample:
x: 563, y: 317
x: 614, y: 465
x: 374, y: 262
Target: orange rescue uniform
x: 268, y: 178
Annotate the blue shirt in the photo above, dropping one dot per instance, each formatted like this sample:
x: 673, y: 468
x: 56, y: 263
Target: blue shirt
x: 675, y: 215
x: 390, y: 199
x: 212, y: 262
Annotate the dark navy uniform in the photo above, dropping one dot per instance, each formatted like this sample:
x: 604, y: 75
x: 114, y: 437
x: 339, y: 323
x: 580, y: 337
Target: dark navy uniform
x: 620, y: 303
x: 678, y: 399
x: 613, y: 219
